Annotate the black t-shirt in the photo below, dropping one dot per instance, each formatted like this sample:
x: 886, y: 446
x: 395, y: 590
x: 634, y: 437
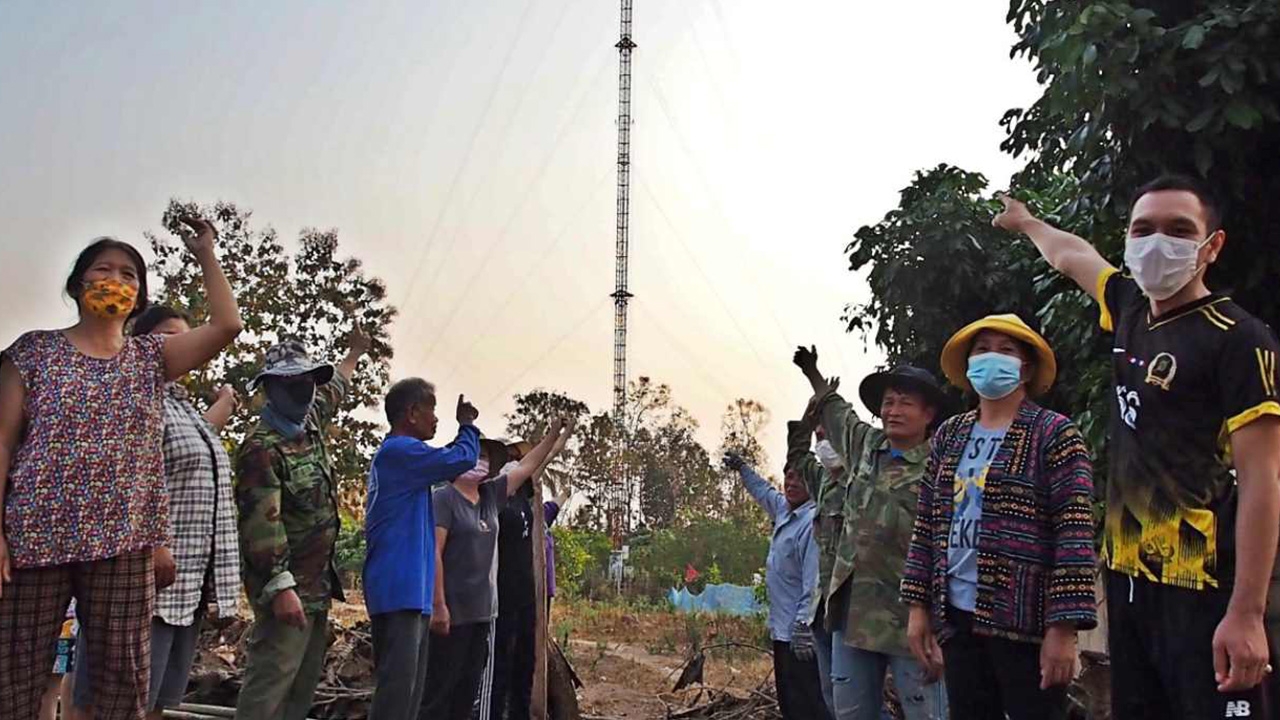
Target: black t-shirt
x: 515, y: 555
x: 1183, y: 383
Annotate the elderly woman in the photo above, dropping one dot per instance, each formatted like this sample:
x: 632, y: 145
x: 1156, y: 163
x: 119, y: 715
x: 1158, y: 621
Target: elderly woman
x: 1000, y: 570
x: 82, y: 475
x: 202, y: 563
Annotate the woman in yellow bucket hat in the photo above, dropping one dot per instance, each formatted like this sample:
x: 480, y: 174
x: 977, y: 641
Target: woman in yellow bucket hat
x: 1000, y: 572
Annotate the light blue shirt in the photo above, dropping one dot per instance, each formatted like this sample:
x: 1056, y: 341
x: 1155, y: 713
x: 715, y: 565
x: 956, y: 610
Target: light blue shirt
x: 791, y: 572
x: 970, y: 486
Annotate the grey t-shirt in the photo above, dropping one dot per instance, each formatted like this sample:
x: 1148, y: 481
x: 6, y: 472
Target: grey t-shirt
x: 470, y: 558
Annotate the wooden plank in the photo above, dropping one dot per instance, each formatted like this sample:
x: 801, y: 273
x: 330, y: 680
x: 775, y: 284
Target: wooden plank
x: 538, y: 703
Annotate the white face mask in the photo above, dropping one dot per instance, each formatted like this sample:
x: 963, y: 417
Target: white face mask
x: 1162, y: 264
x: 828, y: 456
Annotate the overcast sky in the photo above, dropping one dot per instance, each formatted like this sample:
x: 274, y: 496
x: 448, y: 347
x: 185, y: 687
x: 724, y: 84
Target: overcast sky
x: 465, y: 151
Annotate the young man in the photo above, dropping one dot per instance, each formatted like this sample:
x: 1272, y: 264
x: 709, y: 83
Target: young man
x: 867, y: 621
x: 285, y: 493
x: 399, y: 567
x: 1190, y: 545
x: 791, y: 572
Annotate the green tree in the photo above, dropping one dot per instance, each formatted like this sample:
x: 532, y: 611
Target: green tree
x: 313, y: 295
x: 740, y: 429
x: 529, y: 420
x: 1130, y: 90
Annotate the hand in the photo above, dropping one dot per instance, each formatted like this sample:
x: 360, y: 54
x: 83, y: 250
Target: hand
x: 1057, y: 656
x: 924, y: 644
x: 165, y: 567
x: 440, y: 620
x: 562, y: 498
x: 802, y: 641
x: 734, y: 461
x: 467, y: 413
x: 198, y: 235
x: 359, y: 342
x: 1015, y: 216
x: 806, y: 359
x: 556, y: 427
x: 1240, y: 652
x: 287, y: 608
x: 5, y: 569
x: 226, y: 393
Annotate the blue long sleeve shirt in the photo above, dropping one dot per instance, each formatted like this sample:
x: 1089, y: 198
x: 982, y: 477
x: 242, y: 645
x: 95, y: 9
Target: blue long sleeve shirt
x: 399, y: 524
x: 791, y: 571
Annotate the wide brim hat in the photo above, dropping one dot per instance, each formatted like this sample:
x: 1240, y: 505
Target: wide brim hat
x: 903, y: 377
x: 289, y: 359
x: 955, y: 355
x: 504, y: 451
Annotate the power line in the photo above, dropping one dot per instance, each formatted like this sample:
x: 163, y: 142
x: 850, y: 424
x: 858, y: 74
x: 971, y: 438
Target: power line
x: 505, y: 133
x: 525, y: 278
x: 705, y: 278
x: 590, y: 314
x: 509, y: 224
x: 711, y: 195
x: 466, y: 158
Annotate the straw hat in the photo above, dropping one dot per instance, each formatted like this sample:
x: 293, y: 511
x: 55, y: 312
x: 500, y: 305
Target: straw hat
x: 955, y: 356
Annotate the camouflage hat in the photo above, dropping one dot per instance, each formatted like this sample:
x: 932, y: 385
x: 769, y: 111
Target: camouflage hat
x: 290, y: 359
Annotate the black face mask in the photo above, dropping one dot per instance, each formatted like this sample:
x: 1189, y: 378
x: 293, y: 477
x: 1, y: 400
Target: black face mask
x: 292, y: 399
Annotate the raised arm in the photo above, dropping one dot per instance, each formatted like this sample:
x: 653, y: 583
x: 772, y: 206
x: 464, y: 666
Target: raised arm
x: 801, y: 458
x: 557, y: 435
x: 358, y: 343
x: 224, y: 406
x: 12, y: 399
x: 807, y: 360
x: 1069, y: 254
x: 765, y: 494
x: 188, y: 351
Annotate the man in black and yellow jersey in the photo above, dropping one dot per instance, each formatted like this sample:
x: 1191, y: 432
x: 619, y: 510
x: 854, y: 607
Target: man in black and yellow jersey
x: 1193, y: 494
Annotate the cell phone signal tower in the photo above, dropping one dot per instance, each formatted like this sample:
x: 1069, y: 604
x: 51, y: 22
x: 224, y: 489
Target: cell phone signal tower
x: 620, y: 510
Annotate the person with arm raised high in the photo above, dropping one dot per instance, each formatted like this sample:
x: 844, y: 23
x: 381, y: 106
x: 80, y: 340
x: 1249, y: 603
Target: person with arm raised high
x: 883, y: 468
x: 1193, y: 499
x: 82, y: 477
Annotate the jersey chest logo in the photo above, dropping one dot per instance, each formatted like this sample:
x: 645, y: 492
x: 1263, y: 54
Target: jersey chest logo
x: 1161, y: 370
x: 1130, y: 403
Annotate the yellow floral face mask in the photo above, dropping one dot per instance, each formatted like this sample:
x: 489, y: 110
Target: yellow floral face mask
x: 110, y: 299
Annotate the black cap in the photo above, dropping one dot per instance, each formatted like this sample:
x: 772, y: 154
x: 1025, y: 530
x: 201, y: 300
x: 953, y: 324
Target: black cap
x: 903, y: 377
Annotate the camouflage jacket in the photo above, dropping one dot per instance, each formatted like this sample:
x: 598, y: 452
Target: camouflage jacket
x: 828, y: 493
x: 878, y: 517
x: 287, y: 500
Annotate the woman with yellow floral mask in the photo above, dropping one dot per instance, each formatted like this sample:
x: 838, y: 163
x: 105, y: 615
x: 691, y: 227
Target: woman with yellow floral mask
x: 82, y: 474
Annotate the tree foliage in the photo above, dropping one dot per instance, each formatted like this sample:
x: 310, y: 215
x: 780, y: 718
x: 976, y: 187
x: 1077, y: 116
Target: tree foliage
x: 1130, y: 90
x: 1133, y: 90
x: 313, y: 295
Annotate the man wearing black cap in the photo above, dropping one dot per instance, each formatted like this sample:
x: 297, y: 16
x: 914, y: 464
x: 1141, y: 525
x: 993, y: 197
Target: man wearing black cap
x: 883, y: 469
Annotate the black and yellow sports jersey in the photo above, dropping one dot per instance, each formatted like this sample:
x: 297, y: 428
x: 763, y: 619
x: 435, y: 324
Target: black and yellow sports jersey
x: 1183, y: 383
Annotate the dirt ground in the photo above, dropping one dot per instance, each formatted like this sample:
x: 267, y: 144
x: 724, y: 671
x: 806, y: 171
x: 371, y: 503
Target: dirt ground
x: 629, y: 659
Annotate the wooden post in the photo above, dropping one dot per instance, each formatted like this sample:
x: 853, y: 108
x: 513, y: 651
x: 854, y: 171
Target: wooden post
x: 538, y: 703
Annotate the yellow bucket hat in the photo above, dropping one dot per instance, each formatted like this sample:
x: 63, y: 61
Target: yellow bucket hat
x: 955, y: 356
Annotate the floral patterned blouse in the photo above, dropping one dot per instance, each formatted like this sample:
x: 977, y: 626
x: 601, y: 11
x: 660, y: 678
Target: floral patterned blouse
x: 87, y: 479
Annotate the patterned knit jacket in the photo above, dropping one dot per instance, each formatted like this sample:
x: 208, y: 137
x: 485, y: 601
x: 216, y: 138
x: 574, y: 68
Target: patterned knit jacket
x: 1036, y: 556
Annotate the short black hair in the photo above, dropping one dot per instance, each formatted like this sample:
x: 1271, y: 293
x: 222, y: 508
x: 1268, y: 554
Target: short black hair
x: 154, y: 316
x: 88, y: 256
x: 1172, y: 181
x: 406, y: 394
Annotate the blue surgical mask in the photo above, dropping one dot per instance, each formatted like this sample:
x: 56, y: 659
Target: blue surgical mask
x: 994, y: 375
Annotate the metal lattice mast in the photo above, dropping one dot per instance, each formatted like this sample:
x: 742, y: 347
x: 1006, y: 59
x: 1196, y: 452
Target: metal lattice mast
x: 622, y: 488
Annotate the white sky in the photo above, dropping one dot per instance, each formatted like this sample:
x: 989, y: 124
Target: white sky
x: 465, y: 151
